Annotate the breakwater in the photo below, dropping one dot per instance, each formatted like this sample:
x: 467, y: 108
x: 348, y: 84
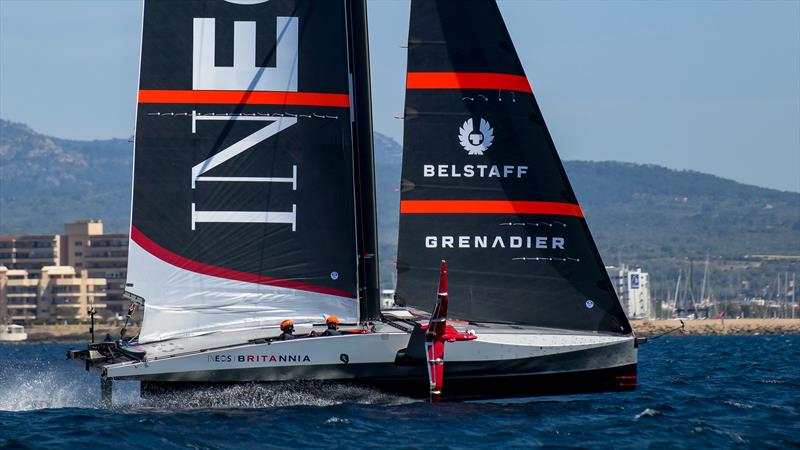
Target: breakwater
x: 715, y: 327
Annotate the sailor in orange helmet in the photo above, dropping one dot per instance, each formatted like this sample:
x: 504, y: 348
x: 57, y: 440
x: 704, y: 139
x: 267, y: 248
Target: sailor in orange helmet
x: 332, y: 322
x: 287, y: 328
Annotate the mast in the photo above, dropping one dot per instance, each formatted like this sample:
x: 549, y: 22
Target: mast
x: 794, y: 289
x: 677, y: 291
x: 690, y: 287
x: 705, y: 280
x: 785, y: 294
x: 364, y: 162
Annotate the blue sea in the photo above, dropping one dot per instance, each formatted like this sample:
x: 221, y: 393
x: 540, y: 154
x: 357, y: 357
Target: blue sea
x: 693, y: 392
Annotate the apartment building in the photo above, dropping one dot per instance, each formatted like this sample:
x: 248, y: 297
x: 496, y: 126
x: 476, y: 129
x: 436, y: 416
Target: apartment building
x: 86, y: 247
x: 30, y: 253
x: 18, y: 295
x: 53, y: 294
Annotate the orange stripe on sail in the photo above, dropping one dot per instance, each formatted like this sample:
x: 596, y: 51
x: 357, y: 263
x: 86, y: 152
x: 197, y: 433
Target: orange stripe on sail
x: 467, y: 80
x: 245, y: 98
x: 489, y: 207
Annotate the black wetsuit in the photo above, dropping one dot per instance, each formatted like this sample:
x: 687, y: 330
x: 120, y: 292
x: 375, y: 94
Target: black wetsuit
x: 286, y: 336
x: 331, y: 332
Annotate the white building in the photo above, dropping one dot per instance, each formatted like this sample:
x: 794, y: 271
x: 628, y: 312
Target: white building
x: 633, y: 290
x: 387, y: 299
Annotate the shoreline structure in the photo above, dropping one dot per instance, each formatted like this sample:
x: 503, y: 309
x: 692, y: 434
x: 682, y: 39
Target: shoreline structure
x: 716, y: 327
x: 646, y: 328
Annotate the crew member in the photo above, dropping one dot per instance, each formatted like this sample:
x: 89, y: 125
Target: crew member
x: 332, y: 322
x: 287, y: 328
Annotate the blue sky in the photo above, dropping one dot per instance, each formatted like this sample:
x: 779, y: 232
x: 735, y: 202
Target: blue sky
x: 712, y: 86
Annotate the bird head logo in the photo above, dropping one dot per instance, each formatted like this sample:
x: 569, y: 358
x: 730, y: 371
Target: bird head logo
x: 476, y: 141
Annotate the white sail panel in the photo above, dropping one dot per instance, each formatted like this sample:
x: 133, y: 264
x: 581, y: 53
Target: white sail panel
x: 182, y: 303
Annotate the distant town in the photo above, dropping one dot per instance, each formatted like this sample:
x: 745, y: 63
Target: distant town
x: 59, y: 278
x: 56, y: 278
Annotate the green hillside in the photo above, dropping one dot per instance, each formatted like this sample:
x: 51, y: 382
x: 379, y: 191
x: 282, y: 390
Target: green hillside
x: 668, y: 221
x: 693, y: 213
x: 46, y: 181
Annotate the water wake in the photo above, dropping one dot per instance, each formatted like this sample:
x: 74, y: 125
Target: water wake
x: 270, y: 395
x: 648, y: 412
x: 41, y: 389
x: 50, y: 387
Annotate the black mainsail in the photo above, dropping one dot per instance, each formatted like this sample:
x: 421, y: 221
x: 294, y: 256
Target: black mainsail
x: 483, y: 186
x: 244, y: 205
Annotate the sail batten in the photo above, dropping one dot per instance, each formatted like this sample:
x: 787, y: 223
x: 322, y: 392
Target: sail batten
x: 483, y: 186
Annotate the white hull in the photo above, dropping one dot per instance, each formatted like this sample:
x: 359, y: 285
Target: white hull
x: 12, y: 333
x: 373, y: 358
x: 13, y: 337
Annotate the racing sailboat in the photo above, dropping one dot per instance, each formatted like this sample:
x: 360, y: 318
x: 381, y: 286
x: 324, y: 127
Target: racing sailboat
x: 254, y: 202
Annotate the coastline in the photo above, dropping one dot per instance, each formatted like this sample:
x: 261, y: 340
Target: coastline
x: 72, y: 334
x: 78, y: 334
x: 717, y: 327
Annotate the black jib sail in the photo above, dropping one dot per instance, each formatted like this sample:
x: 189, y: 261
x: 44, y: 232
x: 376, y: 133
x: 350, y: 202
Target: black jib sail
x: 483, y: 186
x: 243, y: 195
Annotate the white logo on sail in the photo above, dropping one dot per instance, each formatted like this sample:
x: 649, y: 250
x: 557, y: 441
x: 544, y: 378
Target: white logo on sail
x: 244, y: 74
x: 277, y: 125
x: 475, y: 142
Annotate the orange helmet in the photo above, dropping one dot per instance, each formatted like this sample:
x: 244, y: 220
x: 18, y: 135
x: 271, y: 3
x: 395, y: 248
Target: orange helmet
x: 286, y: 324
x: 332, y: 319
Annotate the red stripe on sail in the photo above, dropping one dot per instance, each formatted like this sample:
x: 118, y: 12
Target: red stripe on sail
x: 489, y: 207
x: 245, y: 98
x: 467, y: 80
x: 221, y: 272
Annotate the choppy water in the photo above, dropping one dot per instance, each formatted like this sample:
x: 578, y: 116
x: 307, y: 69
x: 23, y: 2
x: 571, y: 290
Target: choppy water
x: 694, y: 392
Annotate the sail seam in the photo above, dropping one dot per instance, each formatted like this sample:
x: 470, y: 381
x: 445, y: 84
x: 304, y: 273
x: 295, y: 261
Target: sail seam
x: 489, y: 207
x: 245, y: 98
x: 467, y: 80
x: 221, y: 272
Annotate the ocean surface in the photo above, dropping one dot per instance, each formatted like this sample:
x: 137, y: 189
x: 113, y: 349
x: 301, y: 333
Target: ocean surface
x: 720, y: 392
